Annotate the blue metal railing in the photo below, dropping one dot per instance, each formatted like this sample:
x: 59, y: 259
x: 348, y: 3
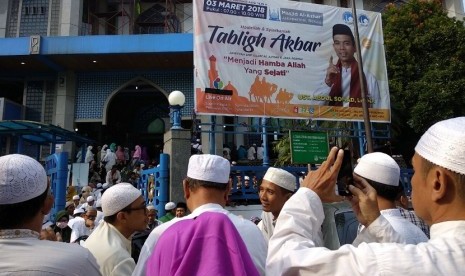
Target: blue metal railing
x: 154, y: 184
x: 241, y: 193
x: 56, y: 166
x: 248, y: 192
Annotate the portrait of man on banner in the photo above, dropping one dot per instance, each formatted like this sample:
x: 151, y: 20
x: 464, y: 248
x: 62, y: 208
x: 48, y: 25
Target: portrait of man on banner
x: 341, y: 85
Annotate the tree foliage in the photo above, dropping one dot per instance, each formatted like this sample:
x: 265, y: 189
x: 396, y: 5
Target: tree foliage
x: 425, y: 53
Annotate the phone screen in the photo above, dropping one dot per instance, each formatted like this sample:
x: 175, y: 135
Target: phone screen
x: 345, y: 176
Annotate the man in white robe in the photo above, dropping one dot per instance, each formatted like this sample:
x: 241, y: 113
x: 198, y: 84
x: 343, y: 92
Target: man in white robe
x: 84, y: 226
x: 276, y: 188
x: 25, y: 197
x: 438, y: 196
x: 383, y: 173
x: 124, y: 213
x: 206, y: 189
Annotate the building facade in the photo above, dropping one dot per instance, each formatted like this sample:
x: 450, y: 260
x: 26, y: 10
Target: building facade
x: 104, y: 68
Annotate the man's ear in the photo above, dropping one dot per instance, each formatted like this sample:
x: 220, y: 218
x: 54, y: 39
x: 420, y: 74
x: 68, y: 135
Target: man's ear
x: 48, y: 204
x: 442, y: 184
x: 403, y: 200
x: 228, y: 190
x: 185, y: 187
x: 121, y: 216
x: 288, y: 195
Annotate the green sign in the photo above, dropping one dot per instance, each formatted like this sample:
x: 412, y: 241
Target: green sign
x: 308, y: 147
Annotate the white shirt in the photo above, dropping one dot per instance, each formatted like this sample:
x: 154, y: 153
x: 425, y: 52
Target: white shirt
x: 410, y: 232
x: 295, y: 248
x: 110, y: 176
x: 27, y: 255
x: 251, y: 153
x: 249, y: 232
x: 381, y: 101
x: 260, y: 151
x: 79, y: 229
x: 266, y: 225
x: 110, y: 158
x: 112, y: 250
x: 73, y: 220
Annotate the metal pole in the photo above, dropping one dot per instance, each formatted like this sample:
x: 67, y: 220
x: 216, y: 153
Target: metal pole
x: 366, y: 114
x: 266, y: 159
x: 212, y: 135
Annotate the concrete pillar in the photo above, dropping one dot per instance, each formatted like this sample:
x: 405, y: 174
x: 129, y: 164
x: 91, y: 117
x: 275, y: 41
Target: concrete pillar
x: 205, y: 136
x: 65, y: 100
x: 3, y: 17
x: 240, y: 137
x: 178, y: 147
x: 70, y: 17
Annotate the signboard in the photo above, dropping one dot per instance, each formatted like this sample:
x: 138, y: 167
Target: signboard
x: 273, y: 58
x: 309, y: 147
x: 80, y: 174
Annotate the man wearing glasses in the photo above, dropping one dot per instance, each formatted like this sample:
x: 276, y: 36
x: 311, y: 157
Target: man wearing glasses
x: 124, y: 213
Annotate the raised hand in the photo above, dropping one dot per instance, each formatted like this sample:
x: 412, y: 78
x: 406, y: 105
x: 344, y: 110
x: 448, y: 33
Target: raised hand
x: 364, y: 201
x: 331, y: 73
x: 323, y: 180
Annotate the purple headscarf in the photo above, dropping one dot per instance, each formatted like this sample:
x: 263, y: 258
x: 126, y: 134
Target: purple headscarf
x: 206, y: 245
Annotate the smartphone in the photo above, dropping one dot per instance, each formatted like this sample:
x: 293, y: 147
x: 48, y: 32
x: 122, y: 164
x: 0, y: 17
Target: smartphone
x: 345, y: 176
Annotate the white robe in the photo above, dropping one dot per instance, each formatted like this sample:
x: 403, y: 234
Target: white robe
x: 110, y: 158
x: 79, y: 229
x: 253, y: 239
x: 112, y: 250
x: 295, y: 248
x: 31, y: 256
x: 266, y: 225
x: 410, y: 232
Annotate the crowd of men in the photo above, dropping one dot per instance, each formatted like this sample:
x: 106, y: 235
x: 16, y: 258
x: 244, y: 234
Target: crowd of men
x: 212, y: 241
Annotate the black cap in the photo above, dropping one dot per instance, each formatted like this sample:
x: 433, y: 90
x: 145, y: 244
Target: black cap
x: 341, y: 29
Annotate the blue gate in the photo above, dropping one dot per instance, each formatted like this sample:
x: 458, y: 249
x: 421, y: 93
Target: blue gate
x: 248, y: 194
x: 154, y: 184
x: 243, y: 192
x: 56, y: 166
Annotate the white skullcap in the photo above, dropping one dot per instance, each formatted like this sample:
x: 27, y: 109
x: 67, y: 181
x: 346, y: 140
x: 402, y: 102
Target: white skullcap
x: 150, y: 207
x: 281, y: 178
x: 209, y: 167
x: 246, y: 178
x: 105, y: 185
x: 443, y: 144
x: 76, y: 197
x: 379, y: 167
x: 78, y: 211
x: 21, y: 178
x: 90, y: 198
x: 118, y: 197
x: 170, y: 206
x: 99, y: 185
x: 68, y: 203
x: 98, y: 204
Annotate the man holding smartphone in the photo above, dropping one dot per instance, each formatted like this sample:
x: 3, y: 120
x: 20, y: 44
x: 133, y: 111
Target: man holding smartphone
x: 438, y: 196
x: 383, y: 172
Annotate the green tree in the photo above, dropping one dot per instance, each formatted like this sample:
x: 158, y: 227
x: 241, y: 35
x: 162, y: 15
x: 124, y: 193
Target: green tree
x: 425, y: 53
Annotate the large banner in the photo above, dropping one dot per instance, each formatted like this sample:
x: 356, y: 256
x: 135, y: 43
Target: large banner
x: 275, y: 58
